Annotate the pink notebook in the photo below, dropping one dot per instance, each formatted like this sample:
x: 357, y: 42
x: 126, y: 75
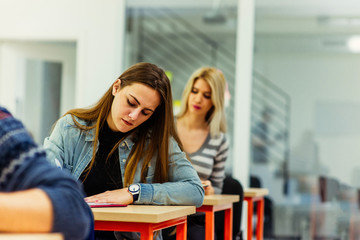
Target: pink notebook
x: 93, y: 205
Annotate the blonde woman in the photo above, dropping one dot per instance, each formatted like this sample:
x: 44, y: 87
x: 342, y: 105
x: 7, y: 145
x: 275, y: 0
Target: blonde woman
x: 201, y: 126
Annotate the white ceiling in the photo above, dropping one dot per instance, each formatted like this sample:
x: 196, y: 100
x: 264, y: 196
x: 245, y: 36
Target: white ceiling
x: 308, y: 7
x: 314, y: 25
x: 306, y: 25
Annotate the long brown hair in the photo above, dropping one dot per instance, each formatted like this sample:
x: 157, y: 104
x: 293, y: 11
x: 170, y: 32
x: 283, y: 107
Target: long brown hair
x: 160, y: 125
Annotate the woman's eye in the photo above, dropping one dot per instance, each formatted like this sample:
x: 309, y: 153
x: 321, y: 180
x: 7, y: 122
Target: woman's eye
x: 207, y: 96
x: 131, y: 104
x: 145, y: 113
x: 194, y: 91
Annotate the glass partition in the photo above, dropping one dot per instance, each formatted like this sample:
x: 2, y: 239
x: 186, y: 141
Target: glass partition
x: 305, y: 131
x: 181, y: 38
x: 305, y: 101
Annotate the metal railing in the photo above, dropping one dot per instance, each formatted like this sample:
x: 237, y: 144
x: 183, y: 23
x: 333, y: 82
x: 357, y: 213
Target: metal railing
x: 166, y: 38
x: 268, y: 98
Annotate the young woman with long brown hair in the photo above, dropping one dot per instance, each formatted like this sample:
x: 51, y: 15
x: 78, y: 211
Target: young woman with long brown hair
x: 125, y: 148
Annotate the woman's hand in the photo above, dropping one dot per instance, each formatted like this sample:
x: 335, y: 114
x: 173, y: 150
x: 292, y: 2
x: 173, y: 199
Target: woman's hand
x: 209, y: 190
x: 120, y: 196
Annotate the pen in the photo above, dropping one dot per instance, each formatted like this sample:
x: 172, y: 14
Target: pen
x: 57, y: 163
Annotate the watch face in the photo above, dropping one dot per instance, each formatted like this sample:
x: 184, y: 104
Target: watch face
x: 134, y: 188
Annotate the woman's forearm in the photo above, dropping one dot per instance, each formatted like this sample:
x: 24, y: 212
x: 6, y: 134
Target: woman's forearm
x: 25, y: 211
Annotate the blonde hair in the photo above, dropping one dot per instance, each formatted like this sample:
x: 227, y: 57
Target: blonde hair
x: 215, y: 117
x: 160, y: 124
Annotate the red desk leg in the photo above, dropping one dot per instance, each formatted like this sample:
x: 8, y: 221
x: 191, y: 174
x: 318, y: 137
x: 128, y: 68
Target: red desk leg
x: 260, y: 216
x: 210, y: 225
x: 147, y: 233
x: 260, y: 221
x: 181, y: 231
x: 209, y: 211
x: 249, y: 218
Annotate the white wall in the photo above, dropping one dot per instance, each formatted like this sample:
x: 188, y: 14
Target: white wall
x: 314, y: 80
x: 97, y: 27
x: 14, y: 55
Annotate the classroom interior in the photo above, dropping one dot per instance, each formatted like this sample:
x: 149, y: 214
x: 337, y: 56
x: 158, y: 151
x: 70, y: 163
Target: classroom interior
x: 297, y: 60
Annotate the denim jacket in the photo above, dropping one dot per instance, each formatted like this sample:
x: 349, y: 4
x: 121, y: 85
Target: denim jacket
x: 71, y: 148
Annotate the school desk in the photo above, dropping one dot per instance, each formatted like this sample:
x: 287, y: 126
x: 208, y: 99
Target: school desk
x: 214, y: 203
x: 31, y: 236
x: 143, y: 218
x: 251, y: 196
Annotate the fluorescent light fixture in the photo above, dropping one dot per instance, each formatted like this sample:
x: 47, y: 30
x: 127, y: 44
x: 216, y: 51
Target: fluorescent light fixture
x: 353, y: 44
x: 339, y: 21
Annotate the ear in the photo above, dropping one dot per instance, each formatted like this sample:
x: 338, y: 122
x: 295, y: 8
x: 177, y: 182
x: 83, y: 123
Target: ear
x: 116, y: 86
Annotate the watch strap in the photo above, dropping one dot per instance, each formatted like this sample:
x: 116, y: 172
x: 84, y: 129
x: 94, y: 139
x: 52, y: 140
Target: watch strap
x: 135, y: 196
x: 136, y: 193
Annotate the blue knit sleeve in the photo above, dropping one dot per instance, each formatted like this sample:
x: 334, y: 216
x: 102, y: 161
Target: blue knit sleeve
x: 23, y: 165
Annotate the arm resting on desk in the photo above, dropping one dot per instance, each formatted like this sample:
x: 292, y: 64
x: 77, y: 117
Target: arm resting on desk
x: 25, y: 211
x: 121, y: 196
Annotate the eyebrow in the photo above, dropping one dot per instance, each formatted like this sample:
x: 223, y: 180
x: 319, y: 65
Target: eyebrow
x: 140, y: 104
x: 209, y: 92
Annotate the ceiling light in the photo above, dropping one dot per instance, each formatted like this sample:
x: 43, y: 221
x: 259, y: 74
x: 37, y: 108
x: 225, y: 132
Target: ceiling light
x: 353, y: 44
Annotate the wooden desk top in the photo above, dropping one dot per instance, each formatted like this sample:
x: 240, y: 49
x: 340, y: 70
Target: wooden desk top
x: 31, y: 236
x: 255, y: 192
x: 218, y: 199
x: 142, y: 213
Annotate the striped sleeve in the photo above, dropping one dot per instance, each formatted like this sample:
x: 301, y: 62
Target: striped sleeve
x: 209, y: 160
x: 218, y: 173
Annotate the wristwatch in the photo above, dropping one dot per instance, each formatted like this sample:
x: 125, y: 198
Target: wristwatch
x: 134, y: 189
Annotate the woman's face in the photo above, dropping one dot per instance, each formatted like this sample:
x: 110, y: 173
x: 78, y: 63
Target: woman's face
x: 132, y: 105
x: 199, y: 101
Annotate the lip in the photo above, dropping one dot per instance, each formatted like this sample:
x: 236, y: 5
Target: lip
x: 196, y: 107
x: 126, y: 122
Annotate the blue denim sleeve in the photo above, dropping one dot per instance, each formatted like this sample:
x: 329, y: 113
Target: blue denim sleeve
x: 61, y: 145
x: 69, y: 147
x: 184, y: 186
x: 54, y: 144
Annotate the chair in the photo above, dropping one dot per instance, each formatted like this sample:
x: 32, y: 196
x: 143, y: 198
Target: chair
x: 329, y: 191
x: 231, y: 186
x: 329, y: 188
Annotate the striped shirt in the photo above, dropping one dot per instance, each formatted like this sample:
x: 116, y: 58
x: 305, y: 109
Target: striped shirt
x: 209, y: 160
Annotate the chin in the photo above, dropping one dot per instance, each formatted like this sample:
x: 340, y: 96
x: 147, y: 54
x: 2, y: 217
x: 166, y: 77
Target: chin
x: 125, y: 129
x: 198, y: 112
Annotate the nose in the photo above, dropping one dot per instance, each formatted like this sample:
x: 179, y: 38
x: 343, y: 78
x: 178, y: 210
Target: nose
x: 198, y: 98
x: 134, y: 114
